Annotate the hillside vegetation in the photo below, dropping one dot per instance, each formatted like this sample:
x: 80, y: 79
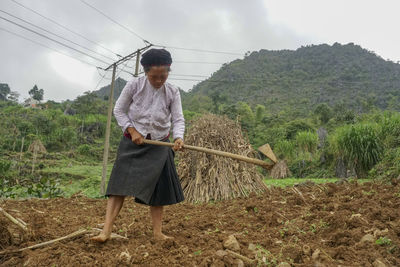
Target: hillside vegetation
x: 328, y: 111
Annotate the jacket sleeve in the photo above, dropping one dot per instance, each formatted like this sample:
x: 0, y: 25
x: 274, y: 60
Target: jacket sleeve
x: 121, y: 108
x: 178, y: 121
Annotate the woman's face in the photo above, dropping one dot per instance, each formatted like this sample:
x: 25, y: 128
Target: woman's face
x: 157, y: 75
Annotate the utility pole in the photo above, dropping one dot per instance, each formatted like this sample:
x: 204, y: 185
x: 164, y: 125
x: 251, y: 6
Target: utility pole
x: 108, y: 129
x: 137, y: 63
x: 110, y: 107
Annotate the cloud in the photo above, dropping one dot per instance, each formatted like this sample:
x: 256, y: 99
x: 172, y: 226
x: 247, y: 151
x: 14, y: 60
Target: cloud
x: 225, y: 25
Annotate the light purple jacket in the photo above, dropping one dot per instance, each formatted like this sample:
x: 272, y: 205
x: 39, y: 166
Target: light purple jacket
x: 150, y: 110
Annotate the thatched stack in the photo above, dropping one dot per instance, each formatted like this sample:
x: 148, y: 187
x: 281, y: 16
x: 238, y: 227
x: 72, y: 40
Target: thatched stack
x: 37, y: 147
x: 280, y: 170
x: 207, y: 177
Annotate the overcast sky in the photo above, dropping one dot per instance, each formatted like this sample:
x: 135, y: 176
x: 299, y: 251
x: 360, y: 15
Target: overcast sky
x: 221, y: 25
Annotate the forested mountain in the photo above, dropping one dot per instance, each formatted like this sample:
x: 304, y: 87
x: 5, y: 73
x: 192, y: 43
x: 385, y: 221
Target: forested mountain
x: 307, y: 76
x: 104, y: 92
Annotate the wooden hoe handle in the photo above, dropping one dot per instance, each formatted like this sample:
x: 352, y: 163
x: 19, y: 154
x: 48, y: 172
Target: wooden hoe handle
x: 258, y: 162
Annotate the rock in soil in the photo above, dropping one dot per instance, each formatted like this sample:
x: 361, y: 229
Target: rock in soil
x: 378, y: 263
x: 315, y: 254
x: 221, y: 253
x: 232, y: 243
x: 367, y: 238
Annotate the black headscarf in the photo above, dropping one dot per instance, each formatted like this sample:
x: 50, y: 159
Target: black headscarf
x: 156, y: 57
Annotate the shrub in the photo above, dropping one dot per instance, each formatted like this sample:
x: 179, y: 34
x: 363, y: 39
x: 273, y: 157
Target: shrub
x: 45, y: 188
x: 307, y: 141
x: 285, y: 149
x: 84, y: 150
x: 6, y: 189
x: 360, y: 145
x: 5, y: 166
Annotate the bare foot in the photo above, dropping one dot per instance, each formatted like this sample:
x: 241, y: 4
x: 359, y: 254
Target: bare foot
x: 161, y: 236
x: 101, y: 238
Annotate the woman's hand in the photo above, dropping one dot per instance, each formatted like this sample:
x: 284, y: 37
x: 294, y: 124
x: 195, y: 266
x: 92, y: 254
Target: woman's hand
x: 178, y: 144
x: 137, y: 138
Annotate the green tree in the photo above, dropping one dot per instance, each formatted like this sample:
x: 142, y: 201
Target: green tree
x: 199, y: 103
x: 359, y: 145
x: 260, y: 112
x: 89, y: 103
x: 36, y: 93
x: 295, y: 126
x: 324, y: 112
x: 285, y: 149
x: 4, y: 91
x: 246, y: 115
x: 217, y: 98
x: 307, y: 141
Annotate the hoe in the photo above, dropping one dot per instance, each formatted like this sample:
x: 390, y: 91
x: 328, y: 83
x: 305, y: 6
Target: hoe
x: 264, y: 149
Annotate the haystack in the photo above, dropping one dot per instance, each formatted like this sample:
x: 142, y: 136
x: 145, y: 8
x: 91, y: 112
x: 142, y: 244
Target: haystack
x: 37, y: 146
x: 280, y: 170
x: 206, y: 177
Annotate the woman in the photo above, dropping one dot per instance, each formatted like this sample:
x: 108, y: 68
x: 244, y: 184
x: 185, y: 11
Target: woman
x: 145, y: 109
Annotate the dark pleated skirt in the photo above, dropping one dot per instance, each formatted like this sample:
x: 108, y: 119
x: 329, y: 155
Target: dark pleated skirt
x: 146, y: 172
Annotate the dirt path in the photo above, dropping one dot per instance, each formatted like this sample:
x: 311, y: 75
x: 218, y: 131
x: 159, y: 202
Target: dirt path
x: 323, y: 224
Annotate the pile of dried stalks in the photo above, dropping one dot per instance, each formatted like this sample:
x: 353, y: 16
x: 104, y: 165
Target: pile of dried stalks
x: 207, y: 177
x: 37, y: 147
x: 280, y: 170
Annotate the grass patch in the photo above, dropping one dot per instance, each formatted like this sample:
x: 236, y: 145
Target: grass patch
x: 75, y: 178
x: 293, y: 181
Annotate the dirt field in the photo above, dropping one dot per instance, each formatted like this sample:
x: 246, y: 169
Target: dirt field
x: 317, y: 225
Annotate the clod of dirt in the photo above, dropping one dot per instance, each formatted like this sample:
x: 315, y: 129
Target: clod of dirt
x: 252, y: 247
x: 125, y: 256
x: 367, y: 238
x: 357, y: 215
x: 306, y: 250
x: 283, y: 264
x: 221, y: 253
x: 378, y: 263
x: 184, y: 249
x: 239, y: 263
x: 379, y: 233
x: 232, y: 243
x: 315, y: 254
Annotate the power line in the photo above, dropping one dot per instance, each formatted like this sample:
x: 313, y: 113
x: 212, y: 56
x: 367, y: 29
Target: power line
x: 199, y: 62
x: 98, y: 83
x: 116, y: 22
x: 48, y: 47
x: 192, y: 80
x: 199, y: 50
x: 103, y: 76
x: 147, y: 42
x: 61, y: 37
x: 189, y: 75
x: 130, y: 56
x: 65, y: 28
x: 44, y: 36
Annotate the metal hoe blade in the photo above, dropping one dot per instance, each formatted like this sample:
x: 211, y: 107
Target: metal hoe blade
x: 267, y: 151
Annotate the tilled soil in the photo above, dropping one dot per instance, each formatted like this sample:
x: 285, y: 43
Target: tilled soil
x: 308, y: 225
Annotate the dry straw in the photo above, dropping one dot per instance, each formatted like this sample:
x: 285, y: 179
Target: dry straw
x: 280, y: 170
x: 207, y: 177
